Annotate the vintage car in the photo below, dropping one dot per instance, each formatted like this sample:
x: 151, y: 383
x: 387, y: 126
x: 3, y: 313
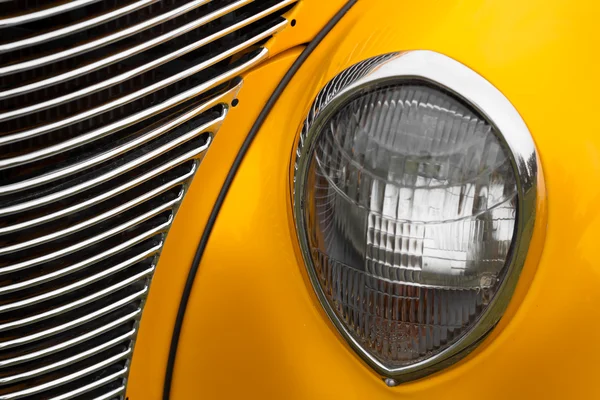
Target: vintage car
x: 299, y: 199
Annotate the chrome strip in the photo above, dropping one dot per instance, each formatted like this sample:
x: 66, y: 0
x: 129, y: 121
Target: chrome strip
x: 96, y: 181
x: 103, y: 196
x: 45, y: 13
x: 111, y: 394
x: 84, y: 224
x: 66, y: 379
x: 91, y: 386
x: 77, y: 285
x: 72, y: 342
x: 85, y: 263
x: 94, y: 239
x: 141, y: 69
x: 66, y: 361
x: 67, y: 30
x: 124, y: 168
x: 119, y: 56
x: 73, y: 51
x: 133, y: 119
x: 75, y: 304
x: 112, y: 153
x: 71, y: 324
x: 140, y: 93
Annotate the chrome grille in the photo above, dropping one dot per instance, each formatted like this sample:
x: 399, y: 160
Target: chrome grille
x: 106, y: 110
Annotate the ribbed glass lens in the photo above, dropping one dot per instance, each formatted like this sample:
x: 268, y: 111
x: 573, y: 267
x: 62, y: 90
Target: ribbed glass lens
x: 410, y: 205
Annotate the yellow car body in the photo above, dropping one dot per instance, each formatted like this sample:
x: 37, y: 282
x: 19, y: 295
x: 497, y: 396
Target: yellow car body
x: 247, y: 323
x: 253, y: 327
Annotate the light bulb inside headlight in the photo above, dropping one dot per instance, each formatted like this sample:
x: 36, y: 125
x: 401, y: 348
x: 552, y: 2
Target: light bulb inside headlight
x: 407, y: 203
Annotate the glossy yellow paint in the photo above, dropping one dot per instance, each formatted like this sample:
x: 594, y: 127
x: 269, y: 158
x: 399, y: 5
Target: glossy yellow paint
x: 149, y: 362
x: 152, y: 347
x: 254, y: 329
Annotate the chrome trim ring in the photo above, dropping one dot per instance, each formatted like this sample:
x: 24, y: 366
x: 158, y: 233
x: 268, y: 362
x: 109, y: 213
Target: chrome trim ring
x: 470, y: 87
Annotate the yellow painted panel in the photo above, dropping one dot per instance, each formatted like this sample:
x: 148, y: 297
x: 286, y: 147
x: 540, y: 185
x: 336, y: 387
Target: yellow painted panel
x: 254, y: 328
x: 152, y: 347
x: 149, y: 362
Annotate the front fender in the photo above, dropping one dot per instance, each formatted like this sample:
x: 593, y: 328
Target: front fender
x: 254, y: 328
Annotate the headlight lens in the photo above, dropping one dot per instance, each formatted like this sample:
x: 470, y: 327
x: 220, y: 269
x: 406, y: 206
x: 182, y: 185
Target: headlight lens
x: 410, y: 219
x: 407, y: 201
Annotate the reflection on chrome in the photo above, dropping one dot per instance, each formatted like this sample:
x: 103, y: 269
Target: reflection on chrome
x: 412, y: 203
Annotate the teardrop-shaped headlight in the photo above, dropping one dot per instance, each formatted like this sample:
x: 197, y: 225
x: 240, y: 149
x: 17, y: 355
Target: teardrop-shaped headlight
x: 414, y: 196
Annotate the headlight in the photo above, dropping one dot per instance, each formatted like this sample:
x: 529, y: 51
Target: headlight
x: 414, y: 197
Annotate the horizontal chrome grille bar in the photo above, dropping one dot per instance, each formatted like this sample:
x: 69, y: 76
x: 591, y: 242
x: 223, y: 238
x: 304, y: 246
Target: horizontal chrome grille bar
x: 95, y: 239
x: 75, y: 304
x: 53, y: 58
x: 87, y: 262
x: 86, y: 69
x: 103, y: 196
x: 145, y: 67
x: 101, y: 179
x: 82, y: 225
x: 91, y: 386
x: 27, y: 205
x: 69, y: 360
x: 66, y: 379
x: 70, y: 343
x: 112, y: 394
x: 45, y: 13
x: 79, y: 321
x: 119, y: 150
x: 140, y: 93
x: 68, y: 30
x: 77, y: 285
x: 102, y: 132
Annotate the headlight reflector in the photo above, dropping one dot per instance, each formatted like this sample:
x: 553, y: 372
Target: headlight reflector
x: 407, y: 205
